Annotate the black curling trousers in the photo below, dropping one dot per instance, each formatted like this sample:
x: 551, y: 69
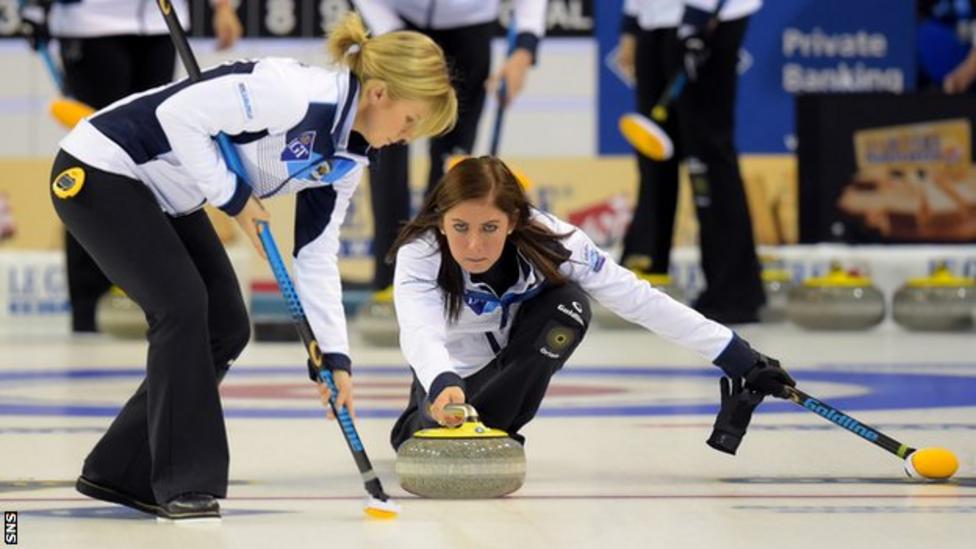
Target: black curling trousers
x: 169, y: 438
x: 508, y: 391
x: 468, y: 51
x: 706, y: 110
x: 651, y: 230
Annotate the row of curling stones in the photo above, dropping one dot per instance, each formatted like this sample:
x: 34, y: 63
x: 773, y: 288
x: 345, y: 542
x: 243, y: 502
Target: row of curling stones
x: 116, y: 314
x: 941, y: 301
x: 376, y: 320
x: 838, y: 300
x: 470, y: 461
x: 841, y: 300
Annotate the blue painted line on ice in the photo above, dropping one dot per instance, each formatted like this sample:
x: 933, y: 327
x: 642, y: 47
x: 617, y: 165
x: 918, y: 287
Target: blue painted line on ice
x: 883, y: 391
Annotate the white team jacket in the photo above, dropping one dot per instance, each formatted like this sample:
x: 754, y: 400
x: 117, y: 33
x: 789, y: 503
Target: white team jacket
x: 385, y: 15
x: 291, y: 124
x: 433, y: 346
x: 657, y: 14
x: 89, y: 18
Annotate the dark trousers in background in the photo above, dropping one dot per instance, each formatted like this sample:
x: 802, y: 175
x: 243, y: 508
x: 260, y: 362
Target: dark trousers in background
x: 468, y: 51
x: 706, y: 109
x: 99, y: 71
x: 169, y: 438
x: 508, y: 391
x: 651, y: 230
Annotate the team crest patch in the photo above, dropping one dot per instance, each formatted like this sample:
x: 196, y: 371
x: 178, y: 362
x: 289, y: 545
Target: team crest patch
x: 322, y: 170
x: 299, y: 148
x: 68, y: 183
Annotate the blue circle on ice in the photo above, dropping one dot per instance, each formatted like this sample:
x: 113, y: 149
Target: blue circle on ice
x: 880, y: 391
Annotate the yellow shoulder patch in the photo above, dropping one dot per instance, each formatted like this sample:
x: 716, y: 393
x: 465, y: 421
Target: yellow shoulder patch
x: 68, y: 183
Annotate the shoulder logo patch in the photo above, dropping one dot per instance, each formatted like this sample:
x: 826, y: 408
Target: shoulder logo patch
x: 246, y: 104
x: 299, y: 148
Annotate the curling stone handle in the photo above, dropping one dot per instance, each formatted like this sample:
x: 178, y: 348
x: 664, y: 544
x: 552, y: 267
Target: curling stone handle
x: 462, y: 410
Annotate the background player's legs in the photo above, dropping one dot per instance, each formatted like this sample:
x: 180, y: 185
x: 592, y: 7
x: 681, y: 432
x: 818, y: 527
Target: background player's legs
x: 86, y: 284
x: 390, y: 199
x: 97, y: 71
x: 468, y: 51
x: 153, y: 61
x: 734, y: 291
x: 651, y: 231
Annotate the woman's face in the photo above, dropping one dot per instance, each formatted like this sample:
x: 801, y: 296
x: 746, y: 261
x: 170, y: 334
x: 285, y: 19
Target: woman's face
x: 476, y: 231
x: 384, y: 121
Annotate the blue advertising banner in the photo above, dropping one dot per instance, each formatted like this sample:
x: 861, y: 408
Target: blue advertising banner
x: 792, y: 47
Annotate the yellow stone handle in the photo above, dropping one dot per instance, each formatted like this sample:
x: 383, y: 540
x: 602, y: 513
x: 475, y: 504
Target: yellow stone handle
x: 464, y: 410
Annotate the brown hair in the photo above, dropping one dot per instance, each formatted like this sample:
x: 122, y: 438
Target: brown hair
x: 411, y: 65
x: 478, y: 179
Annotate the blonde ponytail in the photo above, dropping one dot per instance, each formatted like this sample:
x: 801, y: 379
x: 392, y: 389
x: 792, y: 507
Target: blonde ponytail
x: 346, y: 40
x: 411, y: 65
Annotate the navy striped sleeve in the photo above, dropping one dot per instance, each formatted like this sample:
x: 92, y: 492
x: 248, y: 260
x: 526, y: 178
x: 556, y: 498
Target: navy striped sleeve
x: 443, y: 381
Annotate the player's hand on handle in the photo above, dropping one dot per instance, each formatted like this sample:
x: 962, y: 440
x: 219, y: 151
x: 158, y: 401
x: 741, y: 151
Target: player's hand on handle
x: 626, y: 48
x: 248, y: 219
x: 733, y: 418
x: 767, y: 377
x: 514, y: 71
x: 450, y: 395
x: 343, y: 382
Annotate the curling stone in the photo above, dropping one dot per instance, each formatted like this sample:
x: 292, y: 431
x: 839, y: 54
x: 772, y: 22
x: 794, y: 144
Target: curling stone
x: 940, y: 302
x: 119, y: 316
x: 470, y: 461
x: 776, y: 283
x: 376, y: 320
x: 836, y: 301
x: 612, y: 321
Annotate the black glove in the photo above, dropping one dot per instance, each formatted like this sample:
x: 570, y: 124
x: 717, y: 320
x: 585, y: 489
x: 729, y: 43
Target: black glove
x: 734, y: 416
x: 33, y: 24
x: 768, y: 377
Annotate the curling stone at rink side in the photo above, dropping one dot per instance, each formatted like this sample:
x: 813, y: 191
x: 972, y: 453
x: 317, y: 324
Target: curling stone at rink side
x: 939, y: 302
x: 376, y: 320
x: 116, y: 314
x: 776, y: 283
x: 470, y: 461
x: 608, y: 319
x: 836, y: 301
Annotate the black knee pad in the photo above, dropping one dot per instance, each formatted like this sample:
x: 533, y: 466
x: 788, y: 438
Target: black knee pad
x: 563, y: 313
